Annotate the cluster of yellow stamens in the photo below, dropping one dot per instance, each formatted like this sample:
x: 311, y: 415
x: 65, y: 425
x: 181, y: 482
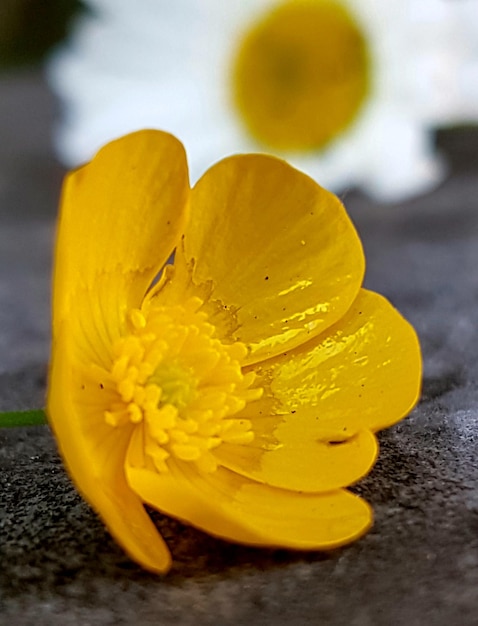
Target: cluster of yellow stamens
x: 181, y: 384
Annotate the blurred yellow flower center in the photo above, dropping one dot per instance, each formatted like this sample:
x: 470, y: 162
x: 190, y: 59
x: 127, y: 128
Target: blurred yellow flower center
x: 182, y: 384
x: 301, y: 74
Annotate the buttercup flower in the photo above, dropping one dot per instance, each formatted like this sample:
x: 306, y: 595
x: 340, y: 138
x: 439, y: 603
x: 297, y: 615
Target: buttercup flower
x: 240, y: 390
x: 348, y: 91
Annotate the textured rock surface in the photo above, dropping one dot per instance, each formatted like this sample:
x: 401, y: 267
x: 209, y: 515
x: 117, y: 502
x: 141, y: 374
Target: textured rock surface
x: 419, y: 564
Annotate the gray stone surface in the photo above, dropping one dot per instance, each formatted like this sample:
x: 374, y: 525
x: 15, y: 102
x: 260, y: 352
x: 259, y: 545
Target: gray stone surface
x: 418, y: 565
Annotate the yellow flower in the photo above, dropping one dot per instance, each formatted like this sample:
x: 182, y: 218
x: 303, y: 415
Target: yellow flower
x: 240, y: 391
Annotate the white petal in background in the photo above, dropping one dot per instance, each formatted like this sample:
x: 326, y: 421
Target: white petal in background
x: 133, y: 64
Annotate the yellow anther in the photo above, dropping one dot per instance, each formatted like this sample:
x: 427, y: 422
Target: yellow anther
x: 160, y: 436
x: 145, y: 369
x: 133, y: 348
x: 137, y: 318
x: 237, y: 351
x: 188, y: 425
x: 207, y: 463
x: 135, y: 413
x: 250, y: 395
x: 158, y: 456
x: 210, y: 399
x: 168, y: 416
x: 208, y: 429
x: 185, y: 452
x: 235, y: 404
x: 111, y: 418
x: 249, y: 378
x: 126, y: 389
x: 213, y: 442
x: 119, y: 368
x: 152, y: 394
x: 193, y: 304
x: 179, y: 436
x: 239, y: 438
x: 139, y: 395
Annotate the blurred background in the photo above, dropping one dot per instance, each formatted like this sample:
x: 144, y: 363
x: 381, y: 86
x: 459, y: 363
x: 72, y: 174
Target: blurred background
x: 180, y: 66
x: 30, y: 28
x: 30, y: 180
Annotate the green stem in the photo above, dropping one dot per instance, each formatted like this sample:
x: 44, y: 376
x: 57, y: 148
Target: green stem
x: 23, y: 418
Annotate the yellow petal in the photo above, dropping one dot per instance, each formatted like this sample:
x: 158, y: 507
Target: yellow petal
x: 280, y: 253
x: 232, y: 507
x: 121, y: 216
x: 94, y: 454
x: 303, y: 462
x: 364, y: 373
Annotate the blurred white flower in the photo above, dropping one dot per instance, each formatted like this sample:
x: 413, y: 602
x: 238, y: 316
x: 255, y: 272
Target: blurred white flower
x: 349, y: 91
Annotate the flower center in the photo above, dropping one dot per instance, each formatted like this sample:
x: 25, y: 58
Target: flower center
x: 177, y: 384
x: 174, y: 378
x: 301, y: 74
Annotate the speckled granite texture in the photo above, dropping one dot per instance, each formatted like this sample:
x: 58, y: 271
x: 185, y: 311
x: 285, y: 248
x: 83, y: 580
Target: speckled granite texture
x: 419, y: 564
